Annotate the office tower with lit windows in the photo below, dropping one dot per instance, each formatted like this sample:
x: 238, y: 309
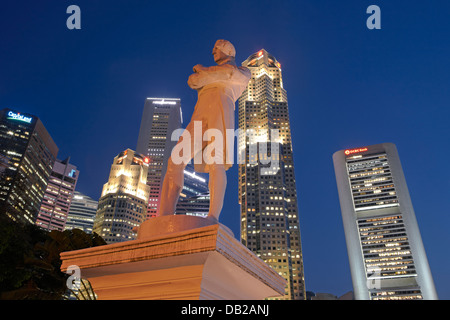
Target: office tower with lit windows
x: 386, y: 254
x: 28, y: 154
x: 194, y: 198
x: 123, y: 203
x: 58, y: 196
x: 82, y: 213
x: 160, y: 118
x: 267, y: 190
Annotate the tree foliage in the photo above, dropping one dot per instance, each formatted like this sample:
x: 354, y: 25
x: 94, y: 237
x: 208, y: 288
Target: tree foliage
x: 30, y: 259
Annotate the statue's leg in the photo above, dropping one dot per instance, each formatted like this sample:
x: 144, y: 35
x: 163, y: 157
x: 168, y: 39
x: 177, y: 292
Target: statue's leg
x: 217, y: 186
x: 171, y: 188
x: 174, y: 179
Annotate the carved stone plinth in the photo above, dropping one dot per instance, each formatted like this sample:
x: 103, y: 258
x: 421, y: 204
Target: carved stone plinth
x: 177, y: 258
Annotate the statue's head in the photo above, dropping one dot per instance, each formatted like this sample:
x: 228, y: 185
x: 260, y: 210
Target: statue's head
x: 223, y: 50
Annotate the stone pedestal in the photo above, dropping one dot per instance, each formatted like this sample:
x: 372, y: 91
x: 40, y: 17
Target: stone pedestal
x: 177, y: 258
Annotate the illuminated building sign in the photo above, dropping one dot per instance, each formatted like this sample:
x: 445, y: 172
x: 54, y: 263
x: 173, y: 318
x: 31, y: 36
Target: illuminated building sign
x: 19, y: 117
x: 72, y: 173
x: 352, y: 151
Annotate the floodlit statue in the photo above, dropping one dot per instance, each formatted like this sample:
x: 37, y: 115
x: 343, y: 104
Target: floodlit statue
x: 218, y: 89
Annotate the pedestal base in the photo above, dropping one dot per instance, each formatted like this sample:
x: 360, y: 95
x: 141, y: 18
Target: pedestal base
x: 177, y: 257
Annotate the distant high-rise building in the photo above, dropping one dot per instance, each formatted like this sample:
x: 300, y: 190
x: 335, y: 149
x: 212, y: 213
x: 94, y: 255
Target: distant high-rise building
x: 194, y: 198
x: 58, y: 196
x: 82, y: 213
x: 194, y: 183
x: 123, y: 203
x: 4, y: 164
x: 267, y: 190
x: 194, y: 206
x: 385, y: 249
x: 160, y: 118
x: 28, y: 152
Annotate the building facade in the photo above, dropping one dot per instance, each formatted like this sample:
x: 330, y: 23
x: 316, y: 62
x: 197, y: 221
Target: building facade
x: 82, y: 213
x: 122, y: 206
x: 28, y: 155
x: 58, y: 196
x: 160, y: 118
x: 267, y: 190
x: 386, y: 254
x: 194, y: 198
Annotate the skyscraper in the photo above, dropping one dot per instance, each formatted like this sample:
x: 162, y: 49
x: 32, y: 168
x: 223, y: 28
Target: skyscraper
x: 82, y: 213
x: 161, y: 116
x: 194, y: 198
x: 58, y: 196
x: 28, y: 153
x: 385, y: 249
x: 123, y: 203
x: 267, y: 191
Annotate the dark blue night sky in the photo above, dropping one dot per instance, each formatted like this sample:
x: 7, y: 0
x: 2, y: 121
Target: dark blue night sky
x: 347, y: 86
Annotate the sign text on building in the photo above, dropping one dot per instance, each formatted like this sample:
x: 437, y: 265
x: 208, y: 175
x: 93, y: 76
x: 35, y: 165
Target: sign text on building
x: 18, y: 116
x: 351, y: 151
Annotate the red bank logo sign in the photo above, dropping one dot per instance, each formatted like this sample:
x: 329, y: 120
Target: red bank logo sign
x: 352, y: 151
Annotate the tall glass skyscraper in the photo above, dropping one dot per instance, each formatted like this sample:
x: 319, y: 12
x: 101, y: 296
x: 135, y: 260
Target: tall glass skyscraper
x: 160, y: 118
x: 58, y: 196
x: 123, y: 203
x: 267, y: 190
x: 194, y: 198
x: 385, y: 249
x: 82, y: 213
x: 28, y: 153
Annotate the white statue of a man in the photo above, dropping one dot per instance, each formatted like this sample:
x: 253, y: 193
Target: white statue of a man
x: 218, y: 89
